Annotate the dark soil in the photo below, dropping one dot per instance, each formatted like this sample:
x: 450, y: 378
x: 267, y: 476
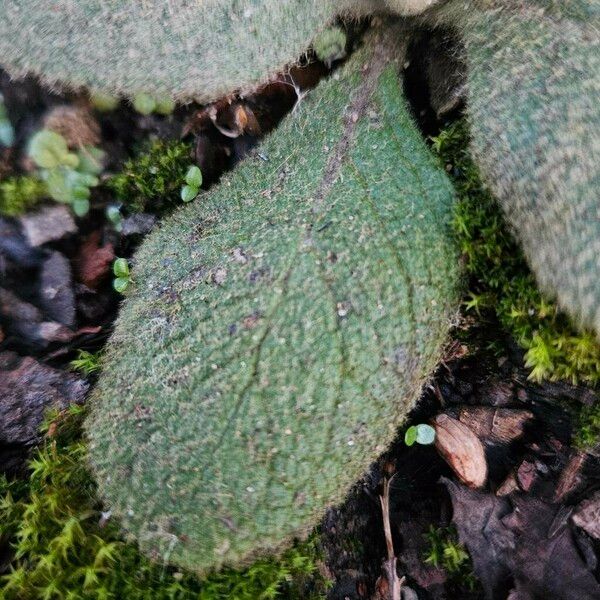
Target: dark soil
x: 426, y: 493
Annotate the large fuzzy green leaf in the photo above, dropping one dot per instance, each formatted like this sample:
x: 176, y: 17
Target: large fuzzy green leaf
x: 280, y: 328
x: 534, y: 109
x: 170, y: 48
x: 181, y: 49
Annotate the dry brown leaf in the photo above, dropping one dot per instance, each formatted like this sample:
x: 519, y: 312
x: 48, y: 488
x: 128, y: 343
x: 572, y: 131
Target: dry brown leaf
x: 94, y: 260
x: 76, y: 124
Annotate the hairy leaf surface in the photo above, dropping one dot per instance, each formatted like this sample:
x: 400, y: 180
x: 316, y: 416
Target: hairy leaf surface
x: 279, y: 329
x: 534, y: 109
x: 173, y: 49
x: 176, y: 48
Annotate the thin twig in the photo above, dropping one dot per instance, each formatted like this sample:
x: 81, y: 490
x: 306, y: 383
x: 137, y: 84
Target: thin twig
x: 389, y: 565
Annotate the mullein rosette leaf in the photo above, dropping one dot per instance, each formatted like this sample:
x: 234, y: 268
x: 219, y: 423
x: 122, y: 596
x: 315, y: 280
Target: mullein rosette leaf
x: 155, y: 53
x: 534, y: 114
x: 280, y: 330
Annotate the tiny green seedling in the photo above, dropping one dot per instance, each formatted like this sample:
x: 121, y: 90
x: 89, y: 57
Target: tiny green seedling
x: 421, y: 434
x: 90, y: 160
x: 122, y: 275
x: 49, y: 150
x: 145, y: 104
x: 164, y: 106
x: 71, y: 187
x: 113, y: 214
x: 193, y: 181
x: 104, y: 102
x: 68, y: 176
x: 7, y: 133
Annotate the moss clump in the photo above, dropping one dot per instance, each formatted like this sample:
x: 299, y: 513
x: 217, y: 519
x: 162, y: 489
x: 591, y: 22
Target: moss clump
x: 501, y: 281
x: 19, y: 194
x: 446, y: 552
x: 64, y: 546
x: 152, y: 180
x: 533, y: 82
x: 588, y: 427
x: 86, y: 362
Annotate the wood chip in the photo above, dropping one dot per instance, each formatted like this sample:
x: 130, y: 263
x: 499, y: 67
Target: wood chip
x: 495, y: 425
x: 95, y: 260
x: 509, y: 485
x: 461, y: 449
x: 570, y: 478
x: 526, y: 475
x: 587, y: 516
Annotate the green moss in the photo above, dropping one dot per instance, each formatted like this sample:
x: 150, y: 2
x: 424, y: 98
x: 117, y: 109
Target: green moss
x: 19, y: 194
x: 446, y: 552
x: 502, y: 285
x: 152, y: 180
x: 63, y: 548
x: 86, y: 362
x: 588, y: 427
x: 501, y: 282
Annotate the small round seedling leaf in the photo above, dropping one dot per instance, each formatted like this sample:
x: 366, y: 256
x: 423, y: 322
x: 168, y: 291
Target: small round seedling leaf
x: 410, y: 437
x: 104, y: 102
x: 113, y: 214
x: 90, y: 160
x: 83, y: 179
x: 144, y: 104
x: 48, y: 150
x: 7, y: 133
x: 70, y: 160
x: 193, y: 177
x: 425, y: 434
x: 59, y: 186
x: 79, y: 192
x: 81, y: 206
x: 164, y: 106
x: 121, y: 268
x: 188, y: 193
x: 120, y: 284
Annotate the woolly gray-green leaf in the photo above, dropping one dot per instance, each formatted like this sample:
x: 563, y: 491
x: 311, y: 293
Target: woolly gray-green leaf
x: 534, y: 109
x: 178, y: 49
x: 279, y: 331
